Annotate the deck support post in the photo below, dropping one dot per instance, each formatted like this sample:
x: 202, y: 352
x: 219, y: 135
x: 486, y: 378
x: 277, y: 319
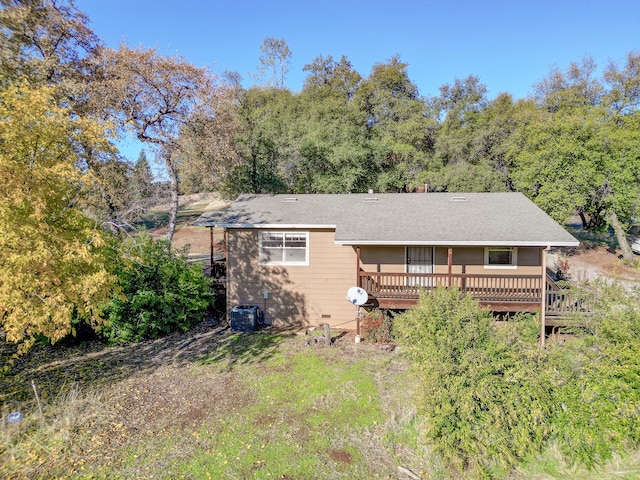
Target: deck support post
x: 358, y: 279
x: 211, y: 251
x: 543, y: 302
x: 450, y: 266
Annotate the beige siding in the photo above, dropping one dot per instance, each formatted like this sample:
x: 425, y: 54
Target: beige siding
x: 393, y: 259
x: 383, y: 259
x: 315, y: 294
x: 297, y: 295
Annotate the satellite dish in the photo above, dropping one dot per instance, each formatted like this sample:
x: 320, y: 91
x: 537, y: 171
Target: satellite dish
x: 358, y: 296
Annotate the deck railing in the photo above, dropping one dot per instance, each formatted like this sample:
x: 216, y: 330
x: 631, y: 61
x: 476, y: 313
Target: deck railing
x: 560, y: 303
x: 497, y: 289
x: 483, y: 287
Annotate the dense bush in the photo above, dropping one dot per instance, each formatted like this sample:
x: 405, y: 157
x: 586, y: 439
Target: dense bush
x: 376, y: 327
x: 597, y: 392
x: 161, y: 293
x: 493, y: 398
x: 485, y: 396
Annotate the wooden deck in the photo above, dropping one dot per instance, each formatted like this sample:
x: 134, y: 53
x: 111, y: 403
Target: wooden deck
x: 501, y: 293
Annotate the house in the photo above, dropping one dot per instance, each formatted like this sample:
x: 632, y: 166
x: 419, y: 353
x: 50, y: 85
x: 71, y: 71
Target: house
x: 296, y: 256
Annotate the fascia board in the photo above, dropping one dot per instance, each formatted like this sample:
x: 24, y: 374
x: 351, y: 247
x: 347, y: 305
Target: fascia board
x: 263, y: 226
x: 465, y: 243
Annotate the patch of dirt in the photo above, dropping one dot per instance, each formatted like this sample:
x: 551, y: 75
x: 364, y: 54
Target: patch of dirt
x: 197, y: 239
x: 340, y: 456
x: 589, y: 264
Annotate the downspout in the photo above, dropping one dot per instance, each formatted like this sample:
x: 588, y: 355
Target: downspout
x: 543, y: 301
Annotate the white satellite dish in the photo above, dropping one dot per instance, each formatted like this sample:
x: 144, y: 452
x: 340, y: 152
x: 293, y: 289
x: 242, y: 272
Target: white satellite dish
x: 358, y: 296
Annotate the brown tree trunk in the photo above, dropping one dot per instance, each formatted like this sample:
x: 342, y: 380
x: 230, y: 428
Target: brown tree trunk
x: 173, y: 182
x: 622, y: 239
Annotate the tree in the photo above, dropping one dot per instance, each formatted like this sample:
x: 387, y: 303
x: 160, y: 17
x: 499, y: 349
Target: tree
x: 575, y: 87
x: 265, y: 119
x: 398, y: 125
x: 208, y: 146
x: 156, y: 96
x: 332, y: 141
x: 47, y: 42
x: 274, y: 62
x: 53, y: 263
x: 624, y: 92
x: 459, y: 155
x: 584, y: 154
x: 143, y: 177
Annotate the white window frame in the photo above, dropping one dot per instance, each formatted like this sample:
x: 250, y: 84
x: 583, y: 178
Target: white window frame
x: 264, y: 261
x: 514, y: 257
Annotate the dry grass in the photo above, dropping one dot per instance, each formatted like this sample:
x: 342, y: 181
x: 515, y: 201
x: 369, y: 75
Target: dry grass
x: 155, y: 410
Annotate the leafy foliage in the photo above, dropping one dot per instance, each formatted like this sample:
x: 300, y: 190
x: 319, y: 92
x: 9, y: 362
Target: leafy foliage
x: 492, y: 398
x: 53, y: 262
x: 597, y: 393
x: 377, y: 327
x: 485, y: 395
x: 161, y: 293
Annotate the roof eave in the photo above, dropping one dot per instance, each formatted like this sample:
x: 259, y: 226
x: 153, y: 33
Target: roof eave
x: 263, y: 225
x: 462, y: 243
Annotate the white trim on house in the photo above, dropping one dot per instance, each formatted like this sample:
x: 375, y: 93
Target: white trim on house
x: 288, y: 238
x: 271, y: 226
x: 514, y: 257
x: 469, y: 243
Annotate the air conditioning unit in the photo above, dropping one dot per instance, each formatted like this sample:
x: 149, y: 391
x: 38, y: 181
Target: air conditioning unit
x: 245, y: 318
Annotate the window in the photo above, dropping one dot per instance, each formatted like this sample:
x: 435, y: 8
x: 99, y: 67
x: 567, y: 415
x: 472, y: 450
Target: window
x: 284, y: 248
x: 500, y: 257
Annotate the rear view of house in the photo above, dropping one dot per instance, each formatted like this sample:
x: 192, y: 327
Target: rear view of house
x: 296, y: 256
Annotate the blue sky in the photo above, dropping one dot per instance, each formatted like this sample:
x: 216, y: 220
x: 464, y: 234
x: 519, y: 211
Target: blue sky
x: 510, y: 45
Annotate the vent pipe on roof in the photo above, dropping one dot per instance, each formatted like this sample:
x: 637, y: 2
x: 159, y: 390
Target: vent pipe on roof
x: 458, y: 199
x: 290, y: 199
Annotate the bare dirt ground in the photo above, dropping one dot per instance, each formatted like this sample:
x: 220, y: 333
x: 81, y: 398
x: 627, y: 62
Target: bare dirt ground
x: 589, y: 263
x: 197, y: 240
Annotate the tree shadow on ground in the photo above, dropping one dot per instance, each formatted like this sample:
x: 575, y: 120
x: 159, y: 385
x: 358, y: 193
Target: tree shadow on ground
x: 237, y: 349
x: 94, y: 365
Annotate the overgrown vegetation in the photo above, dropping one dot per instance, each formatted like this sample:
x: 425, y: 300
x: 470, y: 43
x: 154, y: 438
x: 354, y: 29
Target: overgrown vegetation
x: 377, y: 327
x: 493, y: 399
x: 486, y: 402
x: 231, y: 405
x: 161, y: 293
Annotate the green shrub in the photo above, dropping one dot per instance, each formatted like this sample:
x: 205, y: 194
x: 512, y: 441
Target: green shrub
x: 597, y: 392
x: 161, y: 293
x: 485, y: 393
x: 376, y: 327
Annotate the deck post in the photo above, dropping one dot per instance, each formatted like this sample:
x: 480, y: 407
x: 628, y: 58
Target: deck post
x: 449, y: 265
x: 463, y: 280
x: 543, y: 302
x: 211, y: 251
x: 358, y: 279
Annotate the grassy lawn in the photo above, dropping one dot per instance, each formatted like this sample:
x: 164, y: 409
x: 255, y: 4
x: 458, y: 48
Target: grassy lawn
x: 227, y: 406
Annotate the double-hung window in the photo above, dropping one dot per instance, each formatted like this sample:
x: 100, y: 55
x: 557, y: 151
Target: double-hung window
x: 500, y: 257
x: 284, y: 248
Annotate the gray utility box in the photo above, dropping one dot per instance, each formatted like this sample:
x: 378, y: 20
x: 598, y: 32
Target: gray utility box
x: 245, y: 318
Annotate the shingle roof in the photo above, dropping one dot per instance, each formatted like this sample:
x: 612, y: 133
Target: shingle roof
x: 509, y: 219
